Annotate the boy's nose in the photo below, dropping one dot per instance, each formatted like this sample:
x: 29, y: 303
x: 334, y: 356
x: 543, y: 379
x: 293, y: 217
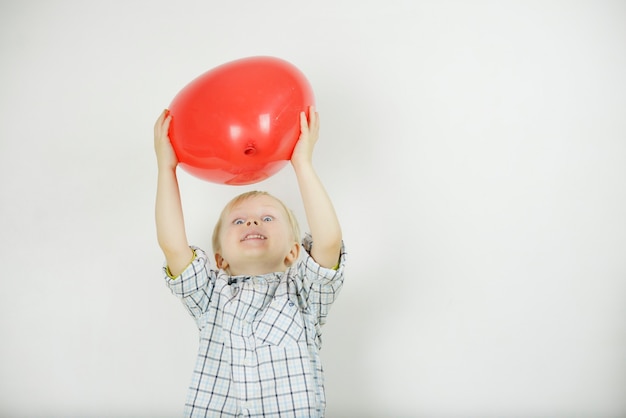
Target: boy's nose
x: 252, y: 222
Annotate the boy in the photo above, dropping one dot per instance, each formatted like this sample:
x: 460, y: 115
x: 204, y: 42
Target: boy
x: 260, y: 310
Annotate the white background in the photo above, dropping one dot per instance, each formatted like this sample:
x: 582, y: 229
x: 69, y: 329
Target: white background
x: 475, y: 151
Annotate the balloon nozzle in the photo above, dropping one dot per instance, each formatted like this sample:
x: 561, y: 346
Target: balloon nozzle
x: 250, y: 150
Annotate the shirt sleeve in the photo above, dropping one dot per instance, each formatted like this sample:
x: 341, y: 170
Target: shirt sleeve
x: 194, y: 286
x: 320, y: 286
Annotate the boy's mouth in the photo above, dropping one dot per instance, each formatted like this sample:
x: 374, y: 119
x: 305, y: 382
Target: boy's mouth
x: 253, y: 236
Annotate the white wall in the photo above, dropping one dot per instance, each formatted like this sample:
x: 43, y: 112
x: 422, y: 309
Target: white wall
x: 476, y: 153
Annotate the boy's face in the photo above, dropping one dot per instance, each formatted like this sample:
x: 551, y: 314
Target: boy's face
x: 256, y: 238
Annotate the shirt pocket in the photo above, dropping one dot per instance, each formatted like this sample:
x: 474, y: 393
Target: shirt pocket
x: 279, y: 324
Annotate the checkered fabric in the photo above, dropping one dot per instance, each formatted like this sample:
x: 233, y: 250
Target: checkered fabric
x: 259, y: 338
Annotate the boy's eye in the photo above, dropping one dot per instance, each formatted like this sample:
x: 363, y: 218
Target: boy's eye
x: 267, y: 219
x: 238, y: 221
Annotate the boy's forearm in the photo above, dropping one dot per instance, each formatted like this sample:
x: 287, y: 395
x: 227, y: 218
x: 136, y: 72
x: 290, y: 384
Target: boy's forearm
x: 320, y: 213
x: 170, y: 223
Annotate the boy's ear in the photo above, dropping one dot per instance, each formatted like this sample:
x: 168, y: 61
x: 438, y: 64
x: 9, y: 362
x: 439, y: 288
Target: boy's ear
x: 293, y: 254
x: 220, y: 261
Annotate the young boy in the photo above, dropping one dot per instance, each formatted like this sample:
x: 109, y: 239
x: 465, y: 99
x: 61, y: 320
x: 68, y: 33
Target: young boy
x: 261, y: 309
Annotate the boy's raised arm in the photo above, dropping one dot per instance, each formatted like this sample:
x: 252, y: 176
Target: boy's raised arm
x: 170, y: 223
x: 320, y: 213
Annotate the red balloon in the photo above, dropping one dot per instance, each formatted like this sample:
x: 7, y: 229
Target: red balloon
x: 238, y: 123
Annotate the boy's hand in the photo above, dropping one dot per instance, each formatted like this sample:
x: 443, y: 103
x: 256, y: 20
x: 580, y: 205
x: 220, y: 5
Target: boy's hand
x: 169, y: 212
x: 166, y: 157
x: 320, y: 213
x: 309, y: 133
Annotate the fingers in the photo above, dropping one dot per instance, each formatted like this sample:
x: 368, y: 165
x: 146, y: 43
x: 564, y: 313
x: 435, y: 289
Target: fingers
x: 304, y: 123
x: 314, y: 119
x: 163, y: 123
x: 312, y: 122
x: 158, y: 122
x: 168, y: 120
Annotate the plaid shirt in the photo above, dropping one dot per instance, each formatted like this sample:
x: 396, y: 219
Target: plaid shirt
x: 259, y: 338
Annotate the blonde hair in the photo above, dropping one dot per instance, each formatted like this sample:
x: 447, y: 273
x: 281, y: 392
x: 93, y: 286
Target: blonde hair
x: 295, y: 228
